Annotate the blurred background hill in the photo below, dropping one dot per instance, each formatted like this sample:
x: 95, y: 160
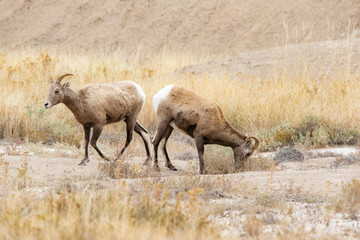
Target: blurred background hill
x: 212, y: 28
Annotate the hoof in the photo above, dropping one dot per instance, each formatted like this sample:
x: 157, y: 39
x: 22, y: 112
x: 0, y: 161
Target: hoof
x: 202, y: 172
x: 84, y: 161
x: 173, y: 168
x: 147, y: 162
x: 156, y: 168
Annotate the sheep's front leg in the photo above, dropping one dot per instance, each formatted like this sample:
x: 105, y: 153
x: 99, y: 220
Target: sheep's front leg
x: 96, y: 134
x: 199, y: 141
x: 87, y: 138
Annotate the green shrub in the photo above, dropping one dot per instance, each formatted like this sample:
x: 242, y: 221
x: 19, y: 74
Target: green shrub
x: 310, y: 131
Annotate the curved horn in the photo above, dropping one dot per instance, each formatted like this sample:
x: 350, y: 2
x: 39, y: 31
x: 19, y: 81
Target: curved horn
x: 256, y: 142
x: 62, y: 76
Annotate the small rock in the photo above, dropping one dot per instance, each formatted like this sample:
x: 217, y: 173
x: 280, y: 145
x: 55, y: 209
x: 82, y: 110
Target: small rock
x: 217, y: 194
x: 288, y: 154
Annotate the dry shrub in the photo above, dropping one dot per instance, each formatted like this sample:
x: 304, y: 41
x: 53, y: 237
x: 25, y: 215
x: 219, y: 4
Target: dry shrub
x: 212, y: 187
x: 218, y: 159
x: 4, y: 171
x: 253, y: 226
x: 123, y: 169
x: 346, y: 160
x: 257, y: 163
x: 349, y: 199
x: 22, y: 177
x: 104, y: 214
x: 287, y: 231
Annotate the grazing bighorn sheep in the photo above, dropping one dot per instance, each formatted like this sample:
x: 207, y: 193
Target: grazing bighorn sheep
x: 96, y: 105
x: 199, y: 118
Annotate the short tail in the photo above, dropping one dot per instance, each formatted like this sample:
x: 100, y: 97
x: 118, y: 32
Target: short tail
x: 144, y: 129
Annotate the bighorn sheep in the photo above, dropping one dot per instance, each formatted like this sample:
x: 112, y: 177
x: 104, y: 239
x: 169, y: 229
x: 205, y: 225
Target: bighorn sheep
x: 96, y: 105
x: 199, y: 118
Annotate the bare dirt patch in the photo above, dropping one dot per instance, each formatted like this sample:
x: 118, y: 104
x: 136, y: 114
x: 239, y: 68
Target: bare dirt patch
x: 318, y: 171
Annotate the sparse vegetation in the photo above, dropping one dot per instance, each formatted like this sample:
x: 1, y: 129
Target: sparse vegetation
x: 349, y: 200
x: 310, y: 131
x: 190, y: 206
x: 274, y: 108
x: 220, y: 160
x: 109, y: 214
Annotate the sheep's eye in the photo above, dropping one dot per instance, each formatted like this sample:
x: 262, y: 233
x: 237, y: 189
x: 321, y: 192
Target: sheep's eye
x: 56, y: 91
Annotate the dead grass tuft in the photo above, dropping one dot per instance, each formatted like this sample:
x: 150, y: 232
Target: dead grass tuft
x: 349, y: 201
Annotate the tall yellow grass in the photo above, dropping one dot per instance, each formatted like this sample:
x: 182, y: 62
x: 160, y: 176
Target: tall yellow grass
x: 252, y: 104
x: 105, y: 214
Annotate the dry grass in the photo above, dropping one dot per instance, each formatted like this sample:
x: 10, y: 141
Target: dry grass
x: 220, y: 160
x: 99, y: 215
x: 252, y: 105
x: 189, y: 206
x: 349, y: 201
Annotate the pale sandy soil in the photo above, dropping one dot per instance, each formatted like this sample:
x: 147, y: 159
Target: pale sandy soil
x: 296, y: 196
x: 51, y: 165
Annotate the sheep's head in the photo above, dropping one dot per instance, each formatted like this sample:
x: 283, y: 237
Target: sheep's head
x: 56, y: 91
x: 244, y: 150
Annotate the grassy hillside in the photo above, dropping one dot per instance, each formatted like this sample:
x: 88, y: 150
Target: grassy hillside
x: 282, y: 108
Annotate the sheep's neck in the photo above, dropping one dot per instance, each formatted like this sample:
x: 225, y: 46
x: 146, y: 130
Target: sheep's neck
x: 72, y: 101
x: 229, y: 136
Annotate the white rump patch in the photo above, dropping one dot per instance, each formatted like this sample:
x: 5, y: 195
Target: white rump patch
x: 140, y: 91
x: 161, y: 95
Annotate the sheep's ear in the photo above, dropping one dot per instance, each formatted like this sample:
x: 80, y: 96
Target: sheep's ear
x: 52, y: 80
x: 66, y: 85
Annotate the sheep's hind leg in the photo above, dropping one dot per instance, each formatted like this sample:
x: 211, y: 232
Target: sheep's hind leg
x: 87, y: 138
x: 168, y: 163
x: 159, y: 135
x: 144, y: 134
x: 96, y: 134
x: 130, y: 125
